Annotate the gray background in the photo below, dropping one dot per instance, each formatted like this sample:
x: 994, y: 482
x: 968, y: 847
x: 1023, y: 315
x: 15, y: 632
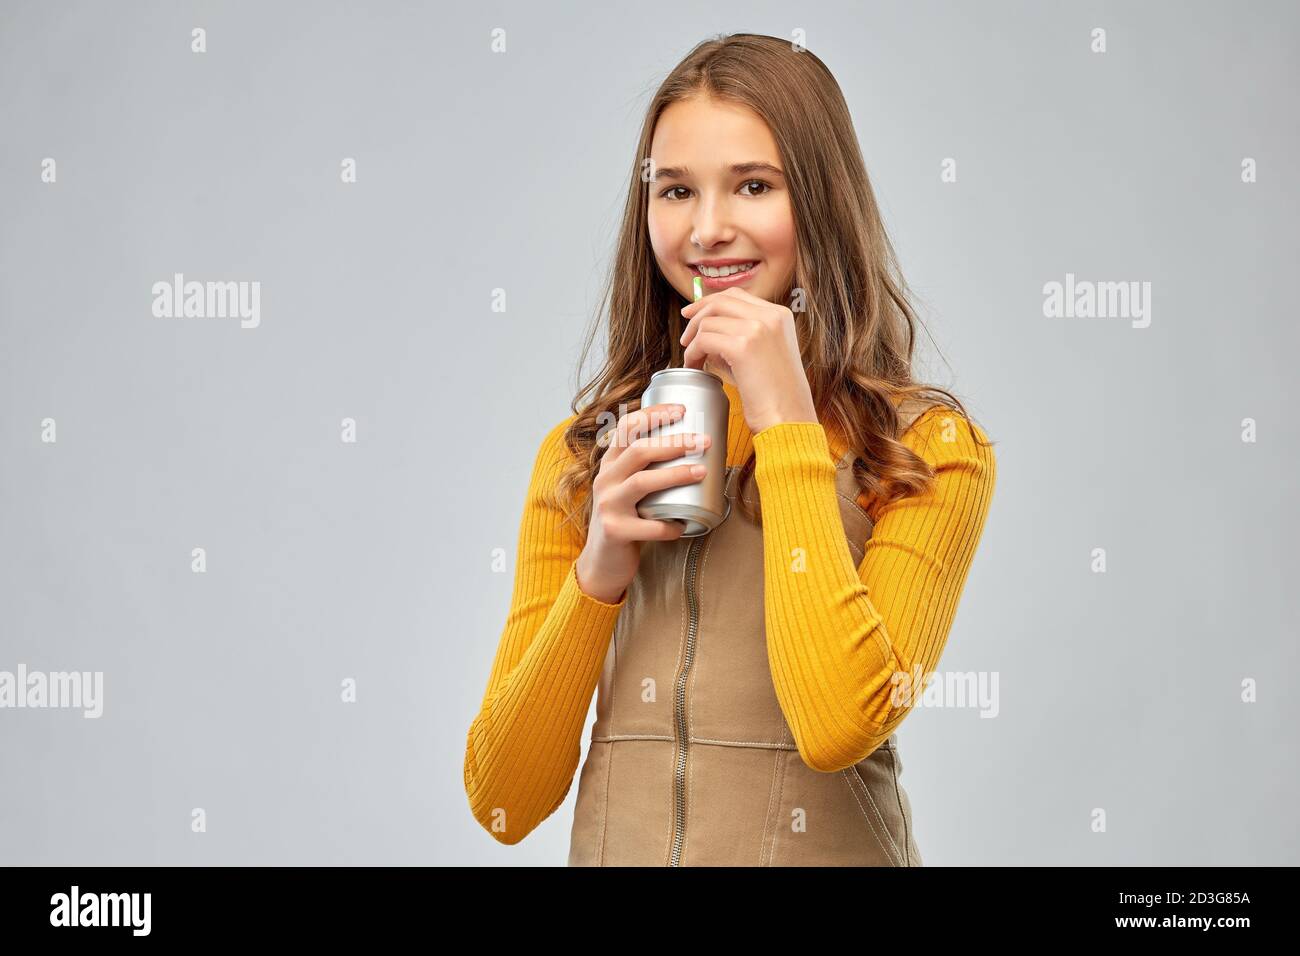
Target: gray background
x: 479, y: 170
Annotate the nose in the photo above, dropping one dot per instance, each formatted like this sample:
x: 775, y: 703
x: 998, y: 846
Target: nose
x: 712, y: 221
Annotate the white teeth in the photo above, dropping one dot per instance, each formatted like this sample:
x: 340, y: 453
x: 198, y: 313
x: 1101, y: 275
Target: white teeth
x: 720, y: 271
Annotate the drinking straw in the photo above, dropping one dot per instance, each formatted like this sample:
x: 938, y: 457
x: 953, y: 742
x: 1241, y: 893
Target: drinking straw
x: 699, y: 292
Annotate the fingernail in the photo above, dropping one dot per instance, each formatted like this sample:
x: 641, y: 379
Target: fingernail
x: 698, y: 471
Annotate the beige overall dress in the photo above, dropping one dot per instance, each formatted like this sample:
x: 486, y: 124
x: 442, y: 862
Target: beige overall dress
x: 691, y: 761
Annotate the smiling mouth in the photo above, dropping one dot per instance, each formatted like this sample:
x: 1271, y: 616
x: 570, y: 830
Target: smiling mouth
x: 725, y: 276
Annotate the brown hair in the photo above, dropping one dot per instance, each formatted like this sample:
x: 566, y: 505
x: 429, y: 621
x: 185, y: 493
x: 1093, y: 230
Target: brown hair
x: 857, y: 330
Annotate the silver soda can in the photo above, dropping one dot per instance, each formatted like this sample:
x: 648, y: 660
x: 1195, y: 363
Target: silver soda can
x: 701, y: 505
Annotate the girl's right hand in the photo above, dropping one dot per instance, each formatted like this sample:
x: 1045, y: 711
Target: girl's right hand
x: 612, y: 554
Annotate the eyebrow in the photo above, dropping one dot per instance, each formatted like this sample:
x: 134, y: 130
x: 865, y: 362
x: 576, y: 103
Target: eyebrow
x: 738, y: 169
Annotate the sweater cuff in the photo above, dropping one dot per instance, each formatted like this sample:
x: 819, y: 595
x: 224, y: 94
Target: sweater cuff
x: 579, y: 602
x: 793, y: 448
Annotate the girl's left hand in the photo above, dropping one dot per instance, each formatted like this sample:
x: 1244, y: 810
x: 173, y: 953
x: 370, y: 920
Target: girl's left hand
x: 757, y: 339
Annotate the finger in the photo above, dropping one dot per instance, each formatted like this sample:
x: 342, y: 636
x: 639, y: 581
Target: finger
x: 734, y: 300
x: 687, y: 333
x: 634, y: 424
x: 700, y: 307
x: 712, y: 323
x: 708, y: 343
x: 743, y: 295
x: 648, y: 529
x: 730, y: 308
x: 657, y: 479
x: 654, y: 448
x: 661, y: 529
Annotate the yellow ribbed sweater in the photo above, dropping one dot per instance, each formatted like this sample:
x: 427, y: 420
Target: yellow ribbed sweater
x: 835, y: 634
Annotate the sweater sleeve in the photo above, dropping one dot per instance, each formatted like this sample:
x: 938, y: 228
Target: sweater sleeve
x: 523, y: 746
x: 836, y: 635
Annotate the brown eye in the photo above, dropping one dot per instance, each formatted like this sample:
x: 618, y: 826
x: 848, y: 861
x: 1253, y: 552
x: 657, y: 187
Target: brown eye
x: 670, y: 189
x: 756, y: 182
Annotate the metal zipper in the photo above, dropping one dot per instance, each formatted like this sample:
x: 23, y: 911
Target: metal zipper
x: 679, y: 695
x: 679, y: 703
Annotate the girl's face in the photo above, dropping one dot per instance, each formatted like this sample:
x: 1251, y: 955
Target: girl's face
x: 719, y: 197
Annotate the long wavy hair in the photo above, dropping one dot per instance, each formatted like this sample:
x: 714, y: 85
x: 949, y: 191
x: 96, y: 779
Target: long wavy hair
x: 856, y: 328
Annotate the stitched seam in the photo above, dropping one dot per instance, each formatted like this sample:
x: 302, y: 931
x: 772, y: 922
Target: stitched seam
x: 846, y: 462
x: 854, y: 505
x: 847, y: 771
x: 780, y: 801
x: 699, y: 628
x: 696, y: 662
x: 710, y: 741
x: 879, y: 816
x: 738, y: 489
x: 768, y: 820
x: 690, y: 715
x: 742, y: 743
x: 907, y: 840
x: 604, y: 814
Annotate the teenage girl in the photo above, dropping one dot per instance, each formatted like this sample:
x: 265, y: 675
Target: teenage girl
x: 750, y: 678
